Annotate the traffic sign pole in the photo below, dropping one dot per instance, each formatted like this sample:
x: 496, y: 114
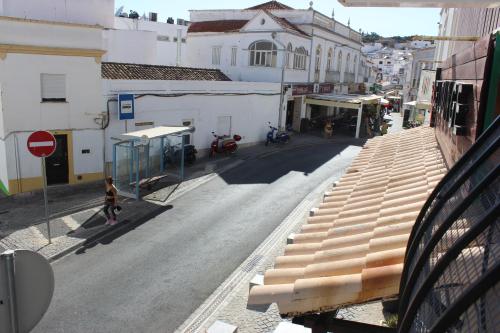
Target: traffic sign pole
x: 11, y: 290
x: 45, y: 199
x: 43, y: 144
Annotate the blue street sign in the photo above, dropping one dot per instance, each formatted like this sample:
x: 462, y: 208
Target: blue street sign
x: 125, y: 106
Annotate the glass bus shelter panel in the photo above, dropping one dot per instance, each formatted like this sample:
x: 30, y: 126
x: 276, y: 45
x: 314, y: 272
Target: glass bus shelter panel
x: 124, y: 168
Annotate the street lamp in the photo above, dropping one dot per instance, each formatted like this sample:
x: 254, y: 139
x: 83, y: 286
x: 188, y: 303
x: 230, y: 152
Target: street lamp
x: 273, y: 36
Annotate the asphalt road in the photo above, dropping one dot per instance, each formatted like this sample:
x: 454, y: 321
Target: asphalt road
x: 151, y: 277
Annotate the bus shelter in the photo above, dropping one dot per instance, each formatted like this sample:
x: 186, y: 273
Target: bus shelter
x: 143, y: 158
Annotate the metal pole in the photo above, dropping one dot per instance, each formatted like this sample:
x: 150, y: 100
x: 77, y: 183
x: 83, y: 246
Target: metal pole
x: 182, y: 158
x: 358, y: 123
x: 11, y: 289
x: 281, y: 90
x: 44, y: 177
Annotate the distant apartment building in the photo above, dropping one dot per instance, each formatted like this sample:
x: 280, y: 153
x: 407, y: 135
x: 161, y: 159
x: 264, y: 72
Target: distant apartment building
x: 272, y: 42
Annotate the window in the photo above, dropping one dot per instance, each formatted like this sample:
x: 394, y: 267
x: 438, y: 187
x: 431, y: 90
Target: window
x: 289, y: 50
x: 355, y: 63
x: 339, y: 62
x: 216, y: 55
x: 329, y: 60
x: 263, y: 53
x: 348, y: 63
x: 299, y: 58
x: 53, y: 87
x: 234, y: 52
x: 317, y: 62
x: 380, y: 62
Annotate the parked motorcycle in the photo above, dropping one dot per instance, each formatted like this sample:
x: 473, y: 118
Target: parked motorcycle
x: 224, y: 144
x: 172, y: 154
x: 279, y: 137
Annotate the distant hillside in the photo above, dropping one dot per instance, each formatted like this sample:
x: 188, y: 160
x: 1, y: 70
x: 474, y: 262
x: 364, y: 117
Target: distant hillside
x: 373, y: 37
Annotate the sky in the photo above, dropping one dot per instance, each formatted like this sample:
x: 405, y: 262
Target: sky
x: 386, y: 22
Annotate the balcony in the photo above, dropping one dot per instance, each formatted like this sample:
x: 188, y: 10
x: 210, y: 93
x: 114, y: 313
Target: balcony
x: 332, y: 76
x: 349, y: 77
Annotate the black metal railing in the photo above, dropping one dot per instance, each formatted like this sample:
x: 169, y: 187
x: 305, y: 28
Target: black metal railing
x: 452, y: 264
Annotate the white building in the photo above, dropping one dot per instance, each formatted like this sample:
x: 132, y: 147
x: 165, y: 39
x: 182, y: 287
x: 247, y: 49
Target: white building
x: 313, y: 52
x: 50, y: 76
x: 143, y: 41
x: 51, y: 79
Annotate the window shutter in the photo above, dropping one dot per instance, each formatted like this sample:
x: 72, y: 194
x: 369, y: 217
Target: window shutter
x: 53, y: 87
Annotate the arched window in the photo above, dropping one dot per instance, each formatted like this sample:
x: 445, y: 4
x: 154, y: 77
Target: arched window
x: 355, y: 63
x: 329, y: 60
x: 339, y: 62
x: 317, y: 62
x: 299, y: 58
x: 263, y: 53
x: 348, y: 63
x: 289, y: 51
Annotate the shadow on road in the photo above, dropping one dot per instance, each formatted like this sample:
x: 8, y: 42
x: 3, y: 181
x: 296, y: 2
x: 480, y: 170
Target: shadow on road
x: 268, y: 168
x: 138, y: 213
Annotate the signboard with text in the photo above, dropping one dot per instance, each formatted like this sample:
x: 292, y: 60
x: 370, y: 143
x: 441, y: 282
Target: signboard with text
x: 126, y: 106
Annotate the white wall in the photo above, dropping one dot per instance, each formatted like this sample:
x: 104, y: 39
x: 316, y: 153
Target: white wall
x: 250, y: 113
x: 53, y: 35
x: 164, y: 52
x: 100, y: 12
x: 20, y: 78
x: 130, y: 46
x: 92, y: 140
x: 200, y: 55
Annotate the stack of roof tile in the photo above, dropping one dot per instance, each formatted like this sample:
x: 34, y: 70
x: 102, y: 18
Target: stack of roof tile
x: 352, y: 249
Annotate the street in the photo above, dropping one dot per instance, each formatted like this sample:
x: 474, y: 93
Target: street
x: 153, y: 275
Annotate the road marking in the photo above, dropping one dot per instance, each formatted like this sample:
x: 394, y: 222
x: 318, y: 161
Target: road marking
x: 70, y: 222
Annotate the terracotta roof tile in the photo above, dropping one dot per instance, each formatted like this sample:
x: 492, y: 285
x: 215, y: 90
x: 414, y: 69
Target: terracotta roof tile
x: 217, y: 26
x: 352, y: 249
x: 270, y: 5
x: 124, y: 71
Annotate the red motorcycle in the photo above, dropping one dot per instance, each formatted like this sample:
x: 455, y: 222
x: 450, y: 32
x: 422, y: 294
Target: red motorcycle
x: 224, y: 144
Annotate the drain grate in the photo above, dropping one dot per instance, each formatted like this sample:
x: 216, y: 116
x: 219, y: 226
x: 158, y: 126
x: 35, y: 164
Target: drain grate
x: 250, y: 265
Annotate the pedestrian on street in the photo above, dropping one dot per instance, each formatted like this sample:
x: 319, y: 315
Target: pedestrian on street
x: 110, y: 201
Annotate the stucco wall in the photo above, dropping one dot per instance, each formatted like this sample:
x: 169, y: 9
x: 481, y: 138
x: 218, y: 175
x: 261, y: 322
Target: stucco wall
x: 130, y: 46
x: 249, y: 113
x: 91, y: 12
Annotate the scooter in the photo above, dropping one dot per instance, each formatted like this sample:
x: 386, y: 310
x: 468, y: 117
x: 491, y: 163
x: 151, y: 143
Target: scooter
x: 280, y: 137
x: 172, y: 154
x: 224, y: 144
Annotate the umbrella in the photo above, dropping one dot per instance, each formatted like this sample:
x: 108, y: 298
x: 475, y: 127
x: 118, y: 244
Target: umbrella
x: 383, y: 101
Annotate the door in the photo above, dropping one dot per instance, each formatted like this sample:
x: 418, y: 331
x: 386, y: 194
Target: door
x: 224, y: 125
x: 57, y: 164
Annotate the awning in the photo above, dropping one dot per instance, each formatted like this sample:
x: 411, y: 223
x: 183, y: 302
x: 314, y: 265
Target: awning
x: 155, y: 132
x: 383, y: 101
x: 393, y: 97
x: 342, y: 101
x: 412, y: 103
x: 352, y: 249
x: 421, y: 3
x: 423, y: 105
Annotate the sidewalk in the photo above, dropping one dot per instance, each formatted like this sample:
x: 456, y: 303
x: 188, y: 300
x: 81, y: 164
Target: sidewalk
x: 76, y: 218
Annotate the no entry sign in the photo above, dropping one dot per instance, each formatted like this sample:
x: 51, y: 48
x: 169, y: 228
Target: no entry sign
x: 41, y: 143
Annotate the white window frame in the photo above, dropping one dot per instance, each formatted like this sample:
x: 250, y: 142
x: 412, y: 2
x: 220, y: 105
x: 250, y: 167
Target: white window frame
x: 234, y: 54
x: 317, y: 59
x: 216, y: 55
x: 329, y: 60
x: 289, y: 51
x: 53, y: 87
x: 299, y: 58
x: 263, y: 57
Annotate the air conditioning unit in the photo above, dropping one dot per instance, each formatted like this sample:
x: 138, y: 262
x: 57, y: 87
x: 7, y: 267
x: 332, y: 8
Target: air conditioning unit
x: 316, y: 88
x: 153, y: 17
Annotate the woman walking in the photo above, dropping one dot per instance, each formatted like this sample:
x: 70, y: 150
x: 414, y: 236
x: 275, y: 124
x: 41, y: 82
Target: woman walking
x: 110, y: 201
